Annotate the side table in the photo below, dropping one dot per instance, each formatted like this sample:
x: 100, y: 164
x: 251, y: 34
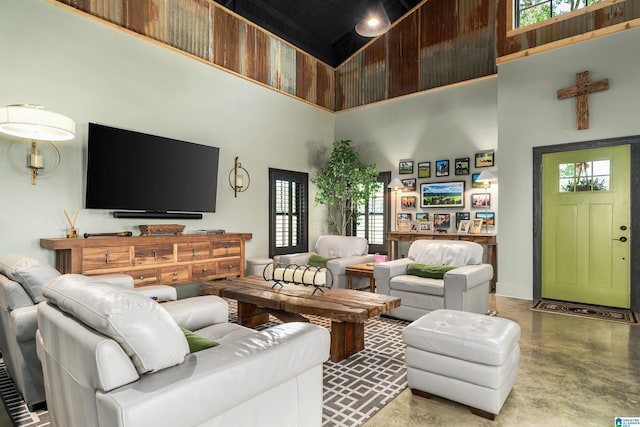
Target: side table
x: 361, y: 270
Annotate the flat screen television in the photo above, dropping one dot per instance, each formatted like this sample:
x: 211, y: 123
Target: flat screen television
x: 162, y: 177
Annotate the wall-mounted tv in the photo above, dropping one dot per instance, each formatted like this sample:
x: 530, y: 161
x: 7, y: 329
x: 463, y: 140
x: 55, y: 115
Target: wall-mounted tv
x: 160, y: 176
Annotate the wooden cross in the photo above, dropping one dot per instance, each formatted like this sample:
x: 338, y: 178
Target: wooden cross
x: 581, y: 91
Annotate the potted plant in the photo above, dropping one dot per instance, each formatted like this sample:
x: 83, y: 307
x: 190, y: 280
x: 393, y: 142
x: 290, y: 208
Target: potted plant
x: 344, y: 183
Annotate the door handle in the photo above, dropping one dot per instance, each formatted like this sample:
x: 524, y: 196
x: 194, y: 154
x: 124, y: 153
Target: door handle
x: 622, y: 239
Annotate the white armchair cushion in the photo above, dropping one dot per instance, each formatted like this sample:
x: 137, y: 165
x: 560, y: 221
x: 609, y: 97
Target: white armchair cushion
x: 445, y: 252
x: 30, y: 273
x: 146, y: 332
x: 341, y: 246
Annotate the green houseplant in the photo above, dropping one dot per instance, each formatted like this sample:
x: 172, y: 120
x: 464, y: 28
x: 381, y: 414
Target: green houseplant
x: 343, y: 183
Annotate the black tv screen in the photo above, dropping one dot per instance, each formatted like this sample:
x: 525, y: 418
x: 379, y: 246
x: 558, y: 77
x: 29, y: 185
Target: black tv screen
x: 136, y: 171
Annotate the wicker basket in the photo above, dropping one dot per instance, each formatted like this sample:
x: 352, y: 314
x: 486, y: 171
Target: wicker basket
x: 148, y: 230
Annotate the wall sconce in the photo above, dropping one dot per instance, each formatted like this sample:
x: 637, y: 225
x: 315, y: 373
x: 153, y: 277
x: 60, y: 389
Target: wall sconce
x: 239, y: 178
x: 35, y: 123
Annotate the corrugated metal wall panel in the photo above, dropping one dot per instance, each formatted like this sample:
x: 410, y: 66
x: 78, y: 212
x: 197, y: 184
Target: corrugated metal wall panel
x: 348, y: 83
x: 306, y: 77
x: 226, y: 39
x: 282, y: 66
x: 403, y: 57
x: 326, y: 83
x: 375, y: 72
x: 112, y: 11
x: 254, y: 53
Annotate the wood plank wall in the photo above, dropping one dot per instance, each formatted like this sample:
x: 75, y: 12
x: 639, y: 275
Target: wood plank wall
x: 212, y: 33
x: 439, y: 43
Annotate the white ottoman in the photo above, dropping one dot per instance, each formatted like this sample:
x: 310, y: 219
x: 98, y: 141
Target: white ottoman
x: 255, y: 266
x: 465, y: 357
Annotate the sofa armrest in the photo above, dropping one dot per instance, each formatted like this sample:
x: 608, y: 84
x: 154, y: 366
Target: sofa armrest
x: 384, y: 271
x: 234, y: 373
x: 301, y: 258
x: 24, y: 323
x: 462, y: 279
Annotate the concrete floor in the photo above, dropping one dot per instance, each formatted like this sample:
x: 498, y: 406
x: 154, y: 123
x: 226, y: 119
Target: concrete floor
x: 572, y: 372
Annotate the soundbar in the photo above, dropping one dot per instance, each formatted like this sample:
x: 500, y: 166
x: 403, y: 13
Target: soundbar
x: 151, y: 214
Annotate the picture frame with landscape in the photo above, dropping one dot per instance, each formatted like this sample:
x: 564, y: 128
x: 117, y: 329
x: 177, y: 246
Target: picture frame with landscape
x: 424, y: 169
x: 425, y: 226
x: 476, y: 184
x: 422, y: 216
x: 484, y: 159
x: 489, y: 218
x: 442, y: 194
x: 405, y: 167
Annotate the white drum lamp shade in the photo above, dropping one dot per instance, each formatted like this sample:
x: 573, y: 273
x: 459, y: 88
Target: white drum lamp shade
x: 34, y: 122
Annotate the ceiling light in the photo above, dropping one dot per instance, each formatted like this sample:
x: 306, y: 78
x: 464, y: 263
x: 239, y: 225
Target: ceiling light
x: 375, y: 22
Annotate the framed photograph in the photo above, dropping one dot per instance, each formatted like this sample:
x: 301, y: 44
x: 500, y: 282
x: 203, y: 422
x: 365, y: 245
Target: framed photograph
x: 425, y: 227
x: 464, y: 226
x: 476, y: 184
x: 462, y: 166
x: 484, y: 159
x: 488, y: 217
x: 408, y: 202
x: 481, y: 200
x: 461, y: 216
x: 424, y: 170
x: 409, y: 184
x: 476, y: 226
x: 406, y: 167
x: 442, y: 194
x: 403, y: 216
x: 404, y: 226
x: 441, y: 221
x: 442, y: 167
x: 422, y: 216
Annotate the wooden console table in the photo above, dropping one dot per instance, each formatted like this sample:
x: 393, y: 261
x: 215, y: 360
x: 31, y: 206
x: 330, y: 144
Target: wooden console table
x: 154, y: 260
x: 488, y: 240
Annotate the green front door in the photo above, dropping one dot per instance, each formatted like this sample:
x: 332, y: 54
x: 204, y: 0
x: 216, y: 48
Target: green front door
x: 585, y: 226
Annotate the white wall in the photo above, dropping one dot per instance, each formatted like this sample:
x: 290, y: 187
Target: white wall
x: 91, y: 72
x: 530, y: 115
x: 446, y: 123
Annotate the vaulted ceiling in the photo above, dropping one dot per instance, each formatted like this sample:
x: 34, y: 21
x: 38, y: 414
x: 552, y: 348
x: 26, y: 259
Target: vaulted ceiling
x: 322, y: 28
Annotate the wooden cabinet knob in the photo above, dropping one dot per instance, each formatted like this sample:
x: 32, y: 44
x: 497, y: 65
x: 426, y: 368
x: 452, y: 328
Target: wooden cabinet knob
x: 141, y: 278
x: 175, y: 273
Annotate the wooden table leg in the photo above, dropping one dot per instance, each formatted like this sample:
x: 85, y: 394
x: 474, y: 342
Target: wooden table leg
x: 347, y: 338
x: 250, y: 315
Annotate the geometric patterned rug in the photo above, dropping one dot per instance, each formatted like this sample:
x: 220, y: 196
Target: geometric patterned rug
x: 354, y: 389
x: 587, y: 311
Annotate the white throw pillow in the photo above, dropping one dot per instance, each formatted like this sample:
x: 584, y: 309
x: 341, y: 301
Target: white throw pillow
x: 146, y: 332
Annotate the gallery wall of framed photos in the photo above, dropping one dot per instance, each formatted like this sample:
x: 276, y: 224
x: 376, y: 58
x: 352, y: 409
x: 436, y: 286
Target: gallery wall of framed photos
x: 444, y: 195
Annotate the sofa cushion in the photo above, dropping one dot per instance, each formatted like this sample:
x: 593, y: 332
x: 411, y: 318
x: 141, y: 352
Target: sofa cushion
x: 341, y: 246
x: 418, y: 285
x: 146, y: 332
x: 443, y: 252
x: 30, y: 273
x: 428, y: 270
x: 196, y: 342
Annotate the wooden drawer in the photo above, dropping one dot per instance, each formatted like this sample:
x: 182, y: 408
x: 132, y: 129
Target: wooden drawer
x: 204, y: 270
x: 153, y: 254
x: 226, y: 248
x: 193, y: 251
x: 145, y: 277
x: 174, y: 274
x: 106, y: 257
x: 229, y: 267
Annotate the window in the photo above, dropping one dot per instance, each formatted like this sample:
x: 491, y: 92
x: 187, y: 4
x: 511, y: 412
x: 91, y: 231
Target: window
x: 288, y: 212
x: 373, y: 221
x: 585, y: 176
x: 532, y: 11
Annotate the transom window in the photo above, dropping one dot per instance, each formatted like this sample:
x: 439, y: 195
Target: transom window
x: 585, y: 176
x: 529, y: 12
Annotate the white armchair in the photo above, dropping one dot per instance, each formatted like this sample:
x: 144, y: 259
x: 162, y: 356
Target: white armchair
x: 342, y: 252
x: 464, y: 288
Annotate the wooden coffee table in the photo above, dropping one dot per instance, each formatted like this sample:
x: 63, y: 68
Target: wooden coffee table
x: 347, y: 309
x: 361, y: 270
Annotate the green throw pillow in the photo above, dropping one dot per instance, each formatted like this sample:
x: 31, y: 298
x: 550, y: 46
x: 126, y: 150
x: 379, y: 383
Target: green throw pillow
x: 196, y: 342
x: 318, y: 261
x: 429, y: 271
